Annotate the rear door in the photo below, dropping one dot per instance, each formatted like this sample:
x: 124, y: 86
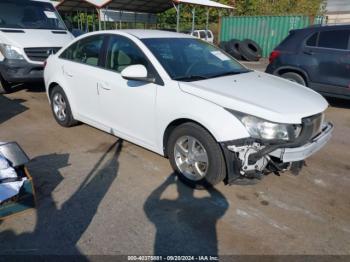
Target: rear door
x: 81, y: 72
x: 328, y: 61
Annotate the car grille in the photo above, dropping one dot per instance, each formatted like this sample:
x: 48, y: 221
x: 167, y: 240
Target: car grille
x: 40, y: 54
x: 317, y: 123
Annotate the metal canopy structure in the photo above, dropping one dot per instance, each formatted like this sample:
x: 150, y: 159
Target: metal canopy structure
x: 206, y: 3
x: 80, y: 5
x: 140, y: 6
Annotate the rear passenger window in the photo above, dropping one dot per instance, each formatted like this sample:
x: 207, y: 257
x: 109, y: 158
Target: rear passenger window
x: 338, y: 39
x: 202, y: 35
x: 86, y: 51
x: 312, y: 41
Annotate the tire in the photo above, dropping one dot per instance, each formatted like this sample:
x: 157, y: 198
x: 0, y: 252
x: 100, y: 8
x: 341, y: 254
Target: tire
x: 215, y: 171
x: 223, y: 45
x: 59, y: 98
x: 232, y: 47
x: 250, y: 50
x: 294, y: 77
x: 4, y: 86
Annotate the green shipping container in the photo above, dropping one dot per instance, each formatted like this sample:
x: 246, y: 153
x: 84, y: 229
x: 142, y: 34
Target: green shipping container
x: 267, y: 31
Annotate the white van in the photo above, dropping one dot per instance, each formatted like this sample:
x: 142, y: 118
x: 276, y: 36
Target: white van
x: 206, y: 35
x: 30, y: 31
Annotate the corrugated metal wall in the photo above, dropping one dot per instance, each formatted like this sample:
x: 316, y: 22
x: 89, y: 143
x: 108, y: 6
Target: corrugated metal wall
x: 267, y: 31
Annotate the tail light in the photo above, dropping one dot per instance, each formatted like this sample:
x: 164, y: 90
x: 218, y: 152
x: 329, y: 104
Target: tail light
x: 274, y: 55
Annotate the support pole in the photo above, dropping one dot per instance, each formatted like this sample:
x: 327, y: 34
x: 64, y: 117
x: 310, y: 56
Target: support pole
x: 178, y: 18
x: 78, y: 19
x: 220, y: 24
x: 99, y: 19
x: 87, y: 21
x: 177, y: 8
x: 93, y: 20
x: 120, y: 20
x: 207, y: 25
x: 193, y: 18
x: 104, y: 19
x: 81, y: 21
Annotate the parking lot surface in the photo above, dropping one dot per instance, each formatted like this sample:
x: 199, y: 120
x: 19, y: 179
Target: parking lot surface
x: 97, y: 195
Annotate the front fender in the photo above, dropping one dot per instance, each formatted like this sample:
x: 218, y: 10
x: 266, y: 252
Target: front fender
x: 223, y: 125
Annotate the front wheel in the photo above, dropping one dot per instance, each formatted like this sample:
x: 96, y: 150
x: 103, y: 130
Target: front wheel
x: 4, y: 86
x: 196, y: 157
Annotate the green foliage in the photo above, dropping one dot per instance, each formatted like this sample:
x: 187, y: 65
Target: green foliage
x: 242, y: 7
x: 280, y: 7
x: 168, y: 18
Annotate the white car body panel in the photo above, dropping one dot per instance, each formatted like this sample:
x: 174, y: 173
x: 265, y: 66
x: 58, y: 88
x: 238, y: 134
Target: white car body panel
x: 259, y: 94
x: 141, y: 113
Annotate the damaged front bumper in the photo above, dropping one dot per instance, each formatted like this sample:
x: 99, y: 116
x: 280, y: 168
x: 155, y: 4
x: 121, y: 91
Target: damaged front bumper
x: 249, y: 158
x: 301, y: 153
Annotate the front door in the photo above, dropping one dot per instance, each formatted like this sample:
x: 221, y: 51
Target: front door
x: 128, y: 106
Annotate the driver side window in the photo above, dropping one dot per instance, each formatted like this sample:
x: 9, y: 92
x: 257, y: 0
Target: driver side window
x: 122, y: 53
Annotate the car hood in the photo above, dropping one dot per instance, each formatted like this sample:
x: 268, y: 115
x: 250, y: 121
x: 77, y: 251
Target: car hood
x: 259, y: 94
x: 35, y: 38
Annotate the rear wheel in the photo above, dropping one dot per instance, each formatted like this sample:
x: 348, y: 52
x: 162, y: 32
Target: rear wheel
x: 196, y: 156
x: 4, y: 86
x: 294, y: 77
x: 61, y: 108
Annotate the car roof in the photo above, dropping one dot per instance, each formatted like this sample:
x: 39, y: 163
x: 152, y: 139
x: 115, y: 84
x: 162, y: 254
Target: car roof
x: 297, y: 37
x: 317, y: 28
x: 143, y: 33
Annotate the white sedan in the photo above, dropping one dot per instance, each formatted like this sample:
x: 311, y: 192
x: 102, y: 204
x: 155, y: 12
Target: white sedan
x: 189, y: 101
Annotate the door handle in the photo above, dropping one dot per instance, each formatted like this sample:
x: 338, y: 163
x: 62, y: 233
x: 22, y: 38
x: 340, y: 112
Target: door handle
x: 66, y: 73
x: 307, y: 52
x: 104, y: 87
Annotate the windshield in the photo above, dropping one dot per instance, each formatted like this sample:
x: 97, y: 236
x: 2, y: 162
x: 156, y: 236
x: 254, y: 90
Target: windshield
x: 26, y: 14
x: 188, y: 59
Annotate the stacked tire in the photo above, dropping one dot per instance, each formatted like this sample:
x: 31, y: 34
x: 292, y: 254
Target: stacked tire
x: 247, y: 49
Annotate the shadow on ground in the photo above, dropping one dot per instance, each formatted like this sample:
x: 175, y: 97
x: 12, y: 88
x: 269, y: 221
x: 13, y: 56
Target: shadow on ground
x: 186, y: 225
x: 338, y: 102
x: 58, y: 230
x: 10, y: 108
x: 35, y: 87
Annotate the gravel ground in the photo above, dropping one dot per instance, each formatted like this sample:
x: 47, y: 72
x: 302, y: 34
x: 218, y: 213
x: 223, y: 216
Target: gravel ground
x: 100, y: 196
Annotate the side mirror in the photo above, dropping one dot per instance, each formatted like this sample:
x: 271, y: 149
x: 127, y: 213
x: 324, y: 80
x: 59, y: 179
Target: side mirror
x: 137, y: 73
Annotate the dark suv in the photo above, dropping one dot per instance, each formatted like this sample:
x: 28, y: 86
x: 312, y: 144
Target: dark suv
x: 317, y: 57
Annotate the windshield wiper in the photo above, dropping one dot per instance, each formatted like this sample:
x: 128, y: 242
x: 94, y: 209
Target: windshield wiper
x: 230, y: 73
x: 190, y: 78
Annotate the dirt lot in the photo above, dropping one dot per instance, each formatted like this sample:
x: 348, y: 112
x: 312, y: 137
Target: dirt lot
x: 97, y: 195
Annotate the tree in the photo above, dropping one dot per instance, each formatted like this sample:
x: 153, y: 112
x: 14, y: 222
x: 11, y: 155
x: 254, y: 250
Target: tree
x: 280, y: 7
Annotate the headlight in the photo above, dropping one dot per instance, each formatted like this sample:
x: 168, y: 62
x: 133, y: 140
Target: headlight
x: 266, y: 130
x: 259, y: 128
x: 11, y: 52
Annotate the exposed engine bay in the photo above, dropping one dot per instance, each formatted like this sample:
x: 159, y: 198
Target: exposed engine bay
x: 253, y: 159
